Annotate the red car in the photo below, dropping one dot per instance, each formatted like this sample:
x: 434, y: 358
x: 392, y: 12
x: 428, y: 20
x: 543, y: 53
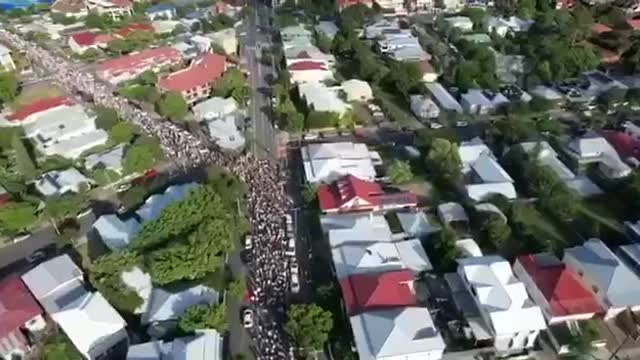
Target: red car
x: 148, y: 175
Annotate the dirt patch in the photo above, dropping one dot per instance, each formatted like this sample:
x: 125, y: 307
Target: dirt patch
x: 33, y: 92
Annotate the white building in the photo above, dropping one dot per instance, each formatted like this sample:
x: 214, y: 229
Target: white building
x: 481, y: 102
x: 592, y: 148
x: 224, y: 132
x: 460, y: 22
x: 327, y: 162
x: 309, y: 71
x: 226, y: 39
x: 61, y: 182
x: 319, y: 97
x: 116, y: 9
x: 357, y: 90
x: 511, y: 25
x: 443, y: 98
x: 5, y: 59
x: 204, y: 344
x: 503, y: 301
x: 215, y: 108
x: 161, y: 11
x: 484, y: 176
x: 423, y: 107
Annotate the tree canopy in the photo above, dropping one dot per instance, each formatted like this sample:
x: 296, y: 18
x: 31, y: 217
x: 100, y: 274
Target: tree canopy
x: 200, y: 317
x: 142, y: 155
x: 173, y: 106
x: 308, y: 326
x: 105, y: 275
x: 8, y: 86
x: 121, y: 133
x: 443, y: 161
x: 106, y: 117
x: 400, y: 172
x: 24, y: 161
x: 16, y: 217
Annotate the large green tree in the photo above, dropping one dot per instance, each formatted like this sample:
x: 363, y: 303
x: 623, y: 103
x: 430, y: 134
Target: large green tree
x: 121, y: 133
x: 24, y: 162
x: 400, y: 172
x: 142, y: 155
x: 106, y: 117
x: 199, y: 317
x: 173, y: 106
x: 105, y: 275
x: 8, y: 86
x: 443, y: 161
x: 308, y: 326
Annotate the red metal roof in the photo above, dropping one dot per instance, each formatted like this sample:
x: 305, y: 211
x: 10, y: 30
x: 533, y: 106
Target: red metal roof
x: 203, y: 71
x: 307, y: 65
x: 127, y: 30
x: 367, y: 292
x: 561, y: 286
x: 39, y: 106
x: 143, y: 59
x: 338, y: 194
x: 17, y: 305
x: 346, y: 3
x: 88, y: 38
x: 625, y: 145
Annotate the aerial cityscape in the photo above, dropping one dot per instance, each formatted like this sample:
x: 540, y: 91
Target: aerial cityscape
x: 319, y: 179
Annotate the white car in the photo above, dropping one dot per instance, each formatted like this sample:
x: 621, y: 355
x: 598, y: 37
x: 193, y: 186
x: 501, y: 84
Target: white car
x: 462, y: 123
x: 247, y: 318
x: 248, y: 242
x: 435, y: 125
x: 123, y: 187
x: 295, y: 283
x: 310, y: 136
x: 294, y: 268
x: 291, y: 247
x: 288, y: 218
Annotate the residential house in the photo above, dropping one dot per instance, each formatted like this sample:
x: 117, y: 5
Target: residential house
x: 327, y: 28
x: 162, y: 11
x: 80, y: 42
x: 129, y: 66
x: 556, y: 288
x: 423, y: 107
x: 351, y: 194
x: 632, y: 130
x: 168, y: 305
x: 468, y: 248
x: 477, y: 38
x: 71, y: 8
x: 343, y: 4
x: 327, y: 162
x: 309, y: 71
x: 5, y: 59
x: 381, y: 27
x: 481, y: 102
x: 116, y: 233
x: 60, y: 182
x: 368, y: 292
x: 483, y: 175
x: 632, y: 230
x: 547, y: 156
x: 614, y: 284
x: 357, y: 90
x: 225, y: 133
x: 115, y: 9
x: 155, y: 204
x: 204, y: 344
x: 294, y: 32
x: 164, y: 26
x: 421, y: 5
x: 502, y: 298
x: 319, y: 97
x: 511, y: 25
x: 110, y: 160
x: 392, y: 6
x: 546, y: 93
x: 592, y: 148
x: 225, y: 39
x: 453, y: 214
x: 443, y: 98
x: 460, y: 22
x: 397, y: 333
x: 196, y: 81
x: 20, y: 315
x: 626, y: 146
x: 215, y: 108
x: 406, y: 49
x: 126, y: 31
x: 416, y: 224
x: 509, y: 68
x: 93, y: 326
x: 453, y: 5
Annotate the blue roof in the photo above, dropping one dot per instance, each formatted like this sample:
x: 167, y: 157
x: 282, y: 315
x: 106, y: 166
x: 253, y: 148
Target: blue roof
x: 159, y: 8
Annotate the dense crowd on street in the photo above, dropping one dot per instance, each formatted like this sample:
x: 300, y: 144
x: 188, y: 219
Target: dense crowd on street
x: 266, y: 200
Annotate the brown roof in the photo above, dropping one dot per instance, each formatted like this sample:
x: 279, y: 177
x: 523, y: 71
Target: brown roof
x: 68, y: 6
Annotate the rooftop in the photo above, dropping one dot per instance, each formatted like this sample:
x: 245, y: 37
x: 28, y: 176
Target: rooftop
x: 321, y: 98
x: 369, y: 292
x: 48, y: 277
x: 144, y: 58
x: 155, y: 204
x: 327, y: 162
x: 204, y: 345
x: 307, y: 65
x: 17, y: 305
x: 352, y: 192
x: 131, y: 28
x: 88, y: 38
x: 38, y: 106
x: 166, y: 304
x: 159, y: 8
x: 202, y: 72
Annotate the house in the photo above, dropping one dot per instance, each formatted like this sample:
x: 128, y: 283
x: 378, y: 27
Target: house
x: 413, y: 53
x: 319, y: 97
x: 546, y: 93
x: 379, y: 257
x: 592, y: 148
x: 309, y: 71
x: 484, y: 176
x: 60, y: 182
x: 357, y: 90
x: 357, y: 229
x: 415, y: 224
x: 20, y: 314
x: 397, y: 333
x: 294, y: 32
x: 481, y: 102
x: 129, y: 66
x: 443, y: 98
x: 423, y: 107
x: 452, y: 213
x: 421, y: 5
x: 115, y: 9
x: 5, y: 59
x: 164, y: 26
x: 368, y: 292
x: 327, y: 162
x: 556, y: 288
x: 70, y: 8
x: 632, y: 230
x: 124, y: 32
x: 460, y: 22
x: 509, y: 67
x: 547, y: 156
x: 155, y: 204
x: 511, y: 25
x: 468, y: 248
x: 215, y: 108
x: 109, y: 160
x: 614, y: 284
x: 93, y: 326
x: 204, y: 344
x: 343, y: 4
x: 302, y: 50
x: 116, y: 233
x: 224, y: 132
x: 82, y: 41
x: 327, y: 28
x: 168, y: 305
x: 225, y: 39
x: 502, y: 298
x: 351, y: 194
x: 162, y: 11
x: 395, y: 7
x: 196, y: 81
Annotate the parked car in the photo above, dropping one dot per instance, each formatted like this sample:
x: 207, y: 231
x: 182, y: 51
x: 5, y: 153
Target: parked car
x: 36, y: 257
x: 247, y: 318
x: 248, y: 242
x: 291, y: 247
x: 435, y: 125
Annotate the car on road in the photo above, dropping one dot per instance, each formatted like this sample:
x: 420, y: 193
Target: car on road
x: 248, y: 242
x: 36, y: 257
x: 435, y: 125
x: 291, y: 247
x: 462, y: 124
x: 247, y: 318
x: 295, y: 283
x: 293, y: 267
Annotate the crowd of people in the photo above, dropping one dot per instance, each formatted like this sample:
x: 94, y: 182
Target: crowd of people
x: 267, y: 203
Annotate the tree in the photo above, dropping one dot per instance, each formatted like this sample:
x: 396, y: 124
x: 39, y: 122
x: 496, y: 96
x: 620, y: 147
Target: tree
x: 142, y: 155
x: 148, y: 78
x: 400, y: 172
x: 8, y: 86
x: 16, y: 217
x: 119, y: 46
x: 24, y: 162
x: 121, y: 133
x: 7, y: 134
x: 443, y: 161
x: 495, y: 231
x: 106, y: 275
x: 59, y: 347
x: 404, y: 76
x: 173, y: 106
x: 526, y: 9
x: 308, y: 326
x: 612, y: 97
x: 200, y: 317
x: 94, y: 20
x: 309, y: 194
x: 323, y: 42
x: 237, y: 288
x: 58, y: 208
x: 445, y: 250
x: 581, y: 341
x: 106, y: 117
x: 231, y: 80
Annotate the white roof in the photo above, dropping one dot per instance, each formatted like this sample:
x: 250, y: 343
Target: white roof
x: 443, y: 97
x: 468, y: 248
x: 357, y: 90
x: 488, y: 169
x: 546, y: 93
x: 452, y: 211
x: 327, y: 162
x: 357, y: 230
x: 60, y: 182
x: 457, y: 21
x: 59, y: 122
x: 477, y: 157
x: 476, y: 97
x: 378, y: 257
x: 327, y: 28
x: 140, y: 282
x: 204, y: 345
x: 397, y: 333
x: 321, y: 98
x: 215, y: 108
x: 116, y: 233
x: 500, y: 295
x: 592, y: 146
x: 416, y: 224
x: 166, y: 305
x: 110, y: 159
x: 295, y: 31
x: 73, y: 147
x: 153, y: 206
x: 225, y: 133
x: 49, y: 277
x: 480, y: 192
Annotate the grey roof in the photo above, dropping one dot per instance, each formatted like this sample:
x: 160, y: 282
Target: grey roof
x: 488, y: 169
x: 204, y: 345
x: 621, y: 285
x: 115, y: 232
x: 476, y: 97
x: 111, y: 159
x: 452, y: 211
x: 443, y: 97
x: 152, y: 350
x: 168, y: 305
x: 328, y: 28
x: 416, y: 224
x: 153, y: 206
x: 51, y: 275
